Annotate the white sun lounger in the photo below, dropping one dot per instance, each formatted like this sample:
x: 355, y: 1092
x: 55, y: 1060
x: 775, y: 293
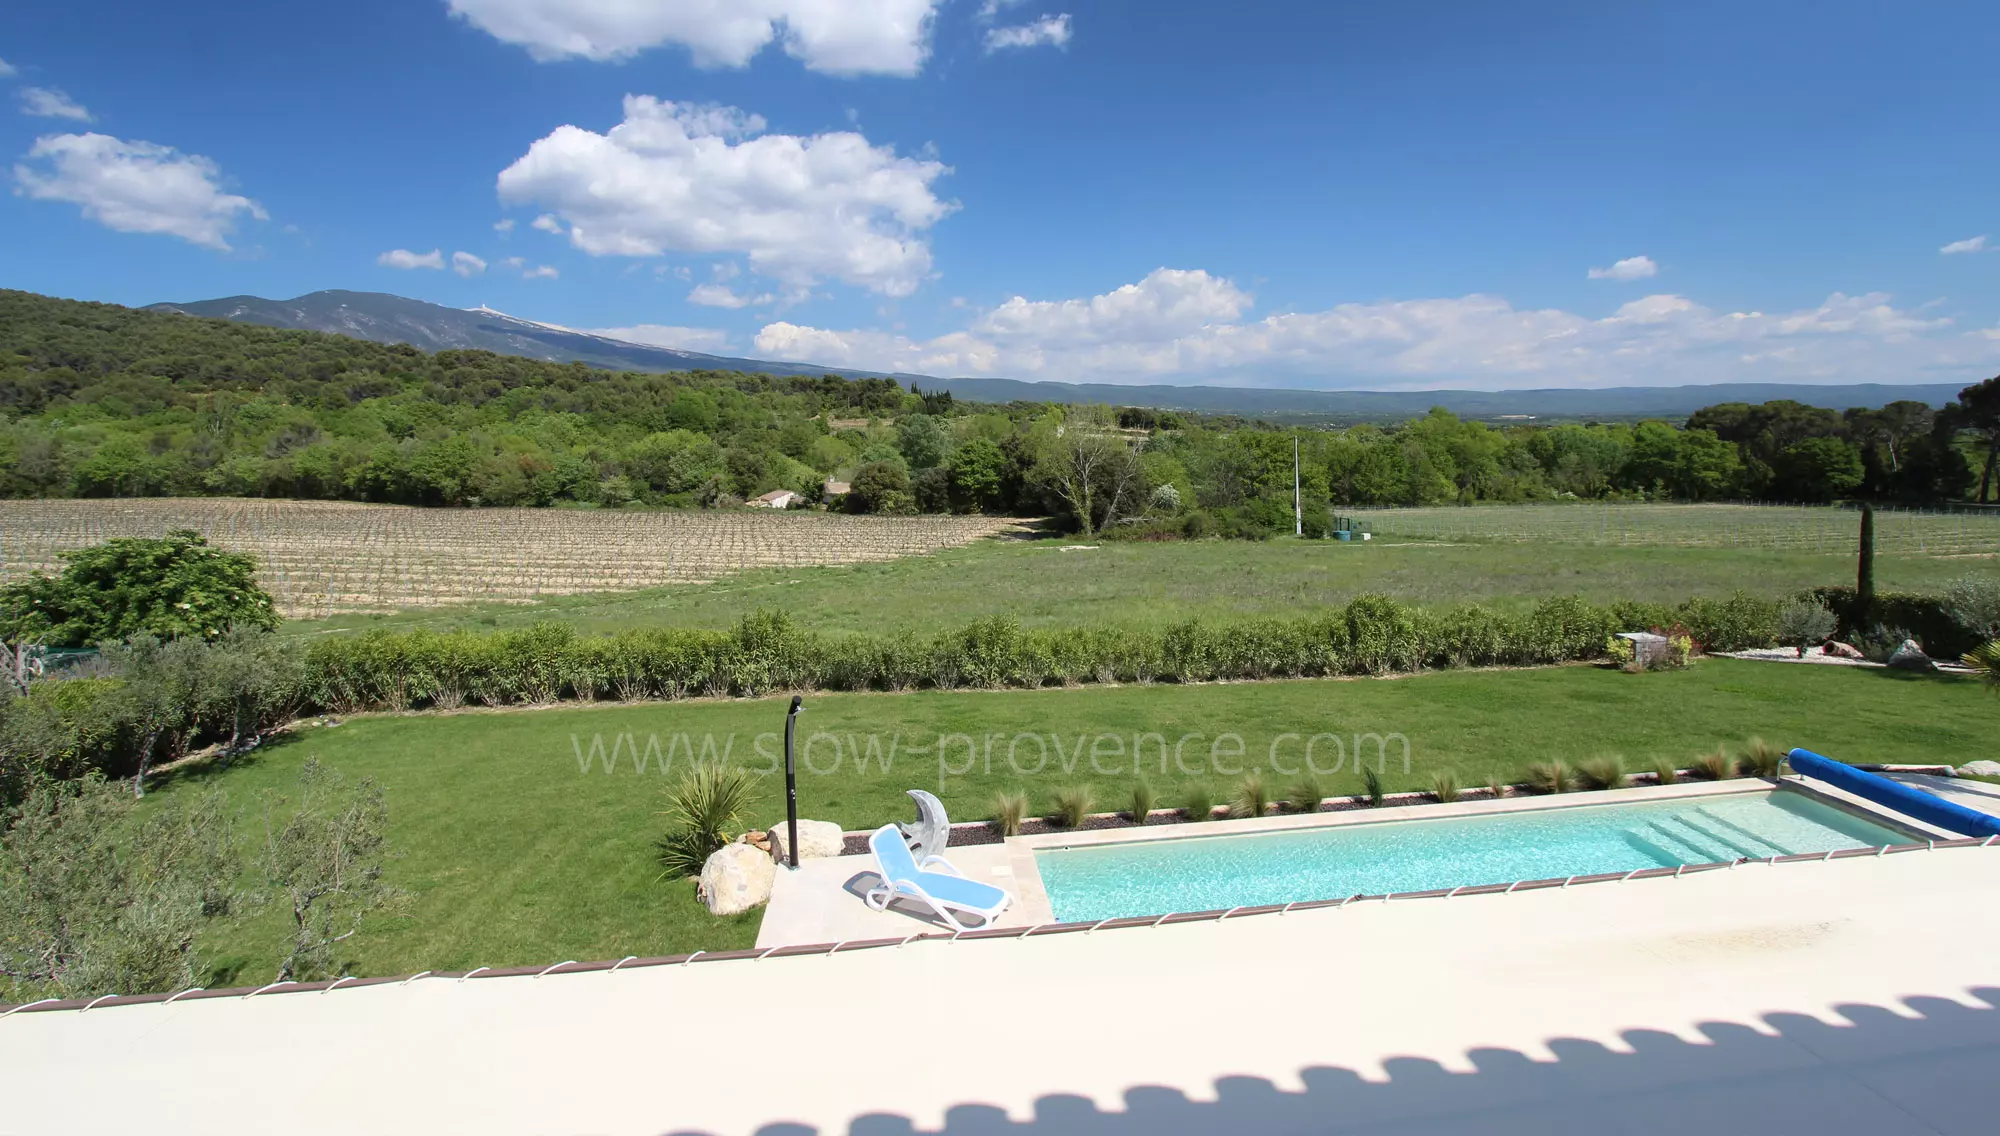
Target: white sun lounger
x: 944, y: 890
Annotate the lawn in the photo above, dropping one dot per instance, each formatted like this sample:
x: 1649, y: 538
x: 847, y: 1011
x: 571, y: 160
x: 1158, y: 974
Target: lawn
x: 1045, y: 582
x: 517, y: 846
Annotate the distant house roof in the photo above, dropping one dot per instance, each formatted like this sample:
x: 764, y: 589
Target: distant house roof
x: 776, y: 498
x: 836, y: 488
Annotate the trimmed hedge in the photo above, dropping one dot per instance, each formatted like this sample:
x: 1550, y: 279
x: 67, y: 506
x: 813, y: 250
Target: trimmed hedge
x: 1926, y: 618
x: 388, y: 670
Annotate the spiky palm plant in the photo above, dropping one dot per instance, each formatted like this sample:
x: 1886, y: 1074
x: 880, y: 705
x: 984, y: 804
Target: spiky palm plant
x: 1985, y: 662
x: 702, y: 810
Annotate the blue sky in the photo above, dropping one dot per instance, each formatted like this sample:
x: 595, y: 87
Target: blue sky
x: 1319, y: 194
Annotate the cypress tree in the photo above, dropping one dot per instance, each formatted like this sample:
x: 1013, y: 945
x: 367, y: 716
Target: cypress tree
x: 1864, y: 582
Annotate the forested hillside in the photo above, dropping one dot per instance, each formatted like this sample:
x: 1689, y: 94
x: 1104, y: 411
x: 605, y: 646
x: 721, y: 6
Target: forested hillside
x: 97, y: 400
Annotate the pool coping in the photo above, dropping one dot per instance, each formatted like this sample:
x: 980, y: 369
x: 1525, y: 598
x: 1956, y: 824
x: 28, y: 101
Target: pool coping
x: 1033, y: 903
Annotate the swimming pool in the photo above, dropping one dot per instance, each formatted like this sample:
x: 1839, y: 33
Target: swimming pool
x: 1154, y: 877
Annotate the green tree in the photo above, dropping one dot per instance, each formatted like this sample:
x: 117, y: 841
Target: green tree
x: 880, y: 487
x: 173, y: 586
x: 88, y: 906
x: 978, y: 469
x: 327, y: 859
x: 925, y: 442
x: 1819, y: 469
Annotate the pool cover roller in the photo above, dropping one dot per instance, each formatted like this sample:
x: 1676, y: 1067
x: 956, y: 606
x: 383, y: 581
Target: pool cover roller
x: 1905, y: 799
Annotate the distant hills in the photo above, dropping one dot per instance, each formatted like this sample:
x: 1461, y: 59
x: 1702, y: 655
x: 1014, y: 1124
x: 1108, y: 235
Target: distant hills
x: 1382, y: 406
x: 386, y: 318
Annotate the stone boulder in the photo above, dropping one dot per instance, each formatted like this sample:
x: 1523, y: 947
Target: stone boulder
x: 736, y: 878
x: 1842, y: 651
x: 817, y: 839
x: 1910, y: 657
x: 1980, y: 768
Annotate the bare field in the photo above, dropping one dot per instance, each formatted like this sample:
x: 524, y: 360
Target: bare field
x: 1778, y: 528
x: 320, y: 558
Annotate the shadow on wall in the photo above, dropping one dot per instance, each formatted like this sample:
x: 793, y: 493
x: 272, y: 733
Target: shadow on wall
x: 1885, y: 1074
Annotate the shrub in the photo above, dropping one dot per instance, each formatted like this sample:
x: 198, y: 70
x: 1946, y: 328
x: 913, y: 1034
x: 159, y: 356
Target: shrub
x: 1973, y: 602
x: 1804, y: 623
x: 1880, y: 642
x: 1715, y: 766
x: 1605, y: 772
x: 1761, y: 758
x: 1073, y: 803
x: 1008, y: 810
x: 1550, y: 776
x: 1200, y: 806
x: 1142, y: 802
x: 707, y: 805
x: 1307, y: 794
x: 1444, y: 786
x: 1664, y: 772
x: 1382, y: 636
x: 168, y: 587
x: 1252, y: 798
x: 1739, y: 623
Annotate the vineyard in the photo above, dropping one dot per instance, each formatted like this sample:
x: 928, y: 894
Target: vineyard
x: 318, y: 558
x: 1794, y: 528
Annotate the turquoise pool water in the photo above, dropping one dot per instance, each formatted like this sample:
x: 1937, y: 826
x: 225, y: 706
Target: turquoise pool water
x: 1215, y: 872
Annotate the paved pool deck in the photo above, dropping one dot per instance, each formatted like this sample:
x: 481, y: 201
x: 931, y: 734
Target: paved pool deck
x: 1856, y: 997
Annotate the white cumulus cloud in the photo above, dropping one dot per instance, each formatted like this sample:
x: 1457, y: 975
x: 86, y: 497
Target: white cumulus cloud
x: 1631, y: 268
x: 705, y: 339
x: 1053, y: 31
x: 6, y: 69
x: 675, y: 177
x: 721, y: 296
x: 134, y: 187
x: 540, y: 272
x: 504, y: 226
x: 47, y: 102
x: 838, y: 37
x: 1970, y: 244
x: 404, y: 258
x: 466, y: 264
x: 1190, y: 326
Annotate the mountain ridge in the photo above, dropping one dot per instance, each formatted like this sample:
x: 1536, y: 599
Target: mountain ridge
x: 387, y: 318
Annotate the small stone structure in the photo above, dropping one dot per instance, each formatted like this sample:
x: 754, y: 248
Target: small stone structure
x: 736, y: 878
x: 1910, y: 657
x: 817, y: 839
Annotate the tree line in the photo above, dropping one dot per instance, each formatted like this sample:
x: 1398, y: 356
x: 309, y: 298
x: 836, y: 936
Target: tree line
x: 102, y: 401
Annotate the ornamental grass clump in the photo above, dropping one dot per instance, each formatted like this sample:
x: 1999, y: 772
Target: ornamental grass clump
x: 1664, y: 772
x: 1199, y: 806
x: 1306, y: 795
x: 1495, y: 787
x: 1008, y: 810
x: 702, y: 811
x: 1252, y: 797
x: 1761, y: 758
x: 1550, y: 776
x: 1142, y: 802
x: 1444, y: 786
x: 1072, y: 805
x: 1605, y: 772
x: 1716, y: 766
